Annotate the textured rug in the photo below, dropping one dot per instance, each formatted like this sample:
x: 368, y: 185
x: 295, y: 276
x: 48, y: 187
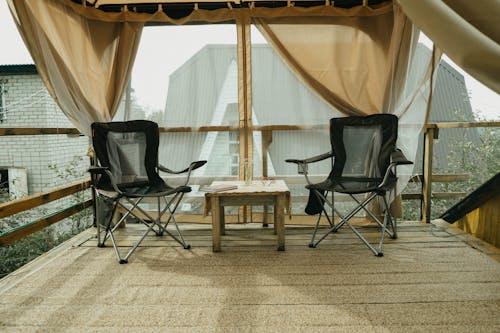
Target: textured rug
x: 442, y: 285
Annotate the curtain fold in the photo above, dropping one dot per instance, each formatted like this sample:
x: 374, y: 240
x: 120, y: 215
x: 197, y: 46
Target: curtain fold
x: 84, y: 63
x: 361, y: 65
x: 358, y: 64
x: 467, y: 31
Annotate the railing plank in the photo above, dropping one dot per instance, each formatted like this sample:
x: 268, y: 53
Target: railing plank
x: 434, y: 195
x: 24, y: 230
x: 19, y: 205
x: 187, y: 129
x: 37, y: 131
x: 442, y: 178
x: 463, y: 124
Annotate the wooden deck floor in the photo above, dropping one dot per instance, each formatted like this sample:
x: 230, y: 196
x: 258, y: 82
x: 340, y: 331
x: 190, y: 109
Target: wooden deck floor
x: 430, y: 280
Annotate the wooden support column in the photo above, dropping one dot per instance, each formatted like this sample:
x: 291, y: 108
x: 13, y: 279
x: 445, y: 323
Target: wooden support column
x: 245, y: 104
x: 430, y: 134
x: 267, y: 139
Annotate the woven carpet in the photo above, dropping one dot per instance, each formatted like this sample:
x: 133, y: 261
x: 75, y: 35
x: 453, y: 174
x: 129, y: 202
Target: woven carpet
x: 418, y: 286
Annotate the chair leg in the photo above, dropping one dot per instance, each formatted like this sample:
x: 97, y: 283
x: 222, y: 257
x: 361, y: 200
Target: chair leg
x: 375, y: 218
x: 101, y: 243
x: 345, y: 221
x: 176, y: 200
x: 391, y: 219
x: 160, y: 230
x: 392, y: 222
x: 149, y: 221
x: 323, y: 198
x: 311, y: 244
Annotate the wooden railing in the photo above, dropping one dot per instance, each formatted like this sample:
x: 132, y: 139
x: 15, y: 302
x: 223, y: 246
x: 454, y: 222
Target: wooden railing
x: 19, y: 205
x: 431, y: 133
x: 36, y: 200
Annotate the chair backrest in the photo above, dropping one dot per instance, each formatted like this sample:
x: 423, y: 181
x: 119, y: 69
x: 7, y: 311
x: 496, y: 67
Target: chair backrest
x: 129, y: 149
x: 362, y: 145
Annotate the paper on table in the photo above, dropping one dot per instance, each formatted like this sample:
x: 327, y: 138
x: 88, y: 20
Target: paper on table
x: 219, y: 188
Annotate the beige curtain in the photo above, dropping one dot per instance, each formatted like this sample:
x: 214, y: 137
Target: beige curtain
x: 358, y: 64
x: 84, y: 63
x: 467, y: 31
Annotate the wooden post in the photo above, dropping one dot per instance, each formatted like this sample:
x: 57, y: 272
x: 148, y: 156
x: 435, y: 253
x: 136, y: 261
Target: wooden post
x: 245, y: 104
x: 430, y: 134
x: 267, y: 138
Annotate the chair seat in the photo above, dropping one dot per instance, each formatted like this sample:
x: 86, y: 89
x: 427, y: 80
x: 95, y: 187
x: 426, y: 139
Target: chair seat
x: 142, y: 189
x: 353, y: 185
x: 146, y: 189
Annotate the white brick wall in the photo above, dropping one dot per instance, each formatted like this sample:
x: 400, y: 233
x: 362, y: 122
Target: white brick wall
x: 28, y: 104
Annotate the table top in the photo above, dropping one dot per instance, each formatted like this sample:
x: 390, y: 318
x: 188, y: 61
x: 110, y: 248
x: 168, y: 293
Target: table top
x: 256, y: 186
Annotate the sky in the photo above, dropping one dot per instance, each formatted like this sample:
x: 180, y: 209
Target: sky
x: 155, y: 61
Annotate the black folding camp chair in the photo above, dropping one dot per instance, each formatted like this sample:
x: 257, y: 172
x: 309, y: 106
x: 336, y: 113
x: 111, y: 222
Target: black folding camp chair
x: 125, y: 174
x: 364, y: 159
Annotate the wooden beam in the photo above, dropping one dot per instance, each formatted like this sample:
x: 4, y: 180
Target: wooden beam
x: 289, y: 127
x: 19, y: 205
x: 73, y: 131
x: 198, y: 129
x: 37, y: 131
x: 244, y: 52
x: 435, y: 195
x: 448, y: 195
x: 442, y: 178
x: 24, y: 230
x: 463, y: 124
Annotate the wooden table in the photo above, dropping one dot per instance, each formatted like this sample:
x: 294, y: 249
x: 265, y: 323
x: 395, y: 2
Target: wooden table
x: 258, y: 193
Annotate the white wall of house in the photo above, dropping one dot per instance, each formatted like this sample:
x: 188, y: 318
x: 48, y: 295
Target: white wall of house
x: 28, y: 104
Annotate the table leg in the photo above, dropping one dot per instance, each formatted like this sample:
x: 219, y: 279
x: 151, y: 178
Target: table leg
x: 279, y: 221
x: 264, y: 217
x: 216, y: 223
x: 222, y: 218
x: 275, y: 224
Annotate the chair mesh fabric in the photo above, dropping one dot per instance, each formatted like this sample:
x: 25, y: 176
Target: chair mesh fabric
x: 364, y: 138
x: 361, y: 147
x: 130, y: 151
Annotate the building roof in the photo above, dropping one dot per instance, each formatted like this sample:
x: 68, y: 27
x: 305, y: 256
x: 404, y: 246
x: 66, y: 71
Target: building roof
x: 279, y: 97
x: 18, y: 69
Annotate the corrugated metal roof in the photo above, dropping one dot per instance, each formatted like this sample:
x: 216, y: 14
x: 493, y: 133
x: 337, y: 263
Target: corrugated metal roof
x: 450, y: 103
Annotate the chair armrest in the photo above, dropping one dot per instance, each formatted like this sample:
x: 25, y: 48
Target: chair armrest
x: 311, y: 159
x: 94, y: 171
x: 193, y: 166
x: 302, y: 164
x: 97, y: 170
x: 397, y: 157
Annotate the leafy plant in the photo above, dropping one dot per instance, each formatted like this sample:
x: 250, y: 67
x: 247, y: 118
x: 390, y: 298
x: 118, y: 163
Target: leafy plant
x: 479, y: 160
x: 24, y: 250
